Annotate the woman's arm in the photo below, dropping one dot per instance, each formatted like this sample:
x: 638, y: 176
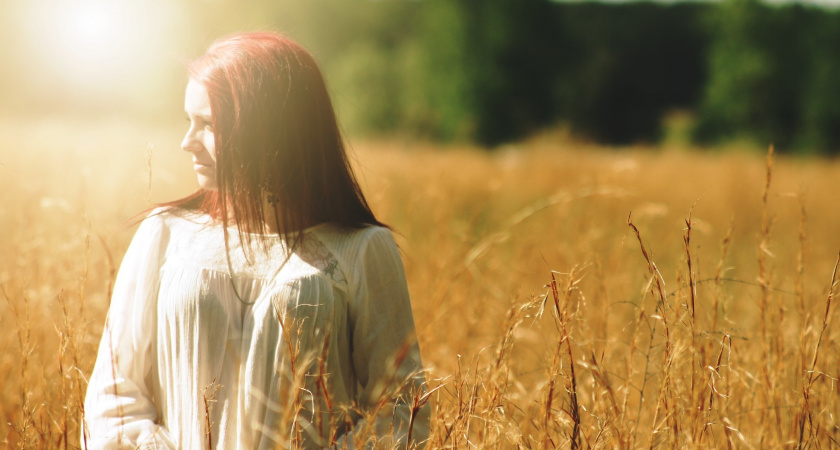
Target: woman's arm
x: 119, y: 412
x: 385, y: 354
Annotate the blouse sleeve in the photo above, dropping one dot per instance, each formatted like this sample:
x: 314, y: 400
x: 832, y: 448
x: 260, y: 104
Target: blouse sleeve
x: 385, y: 353
x: 119, y: 412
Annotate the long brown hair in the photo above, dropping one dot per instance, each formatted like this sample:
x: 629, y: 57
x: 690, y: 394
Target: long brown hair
x: 277, y: 139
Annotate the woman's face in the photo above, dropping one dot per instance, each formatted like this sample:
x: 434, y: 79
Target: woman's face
x: 199, y: 139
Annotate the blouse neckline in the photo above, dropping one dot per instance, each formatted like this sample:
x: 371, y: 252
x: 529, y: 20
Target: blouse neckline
x: 205, y: 219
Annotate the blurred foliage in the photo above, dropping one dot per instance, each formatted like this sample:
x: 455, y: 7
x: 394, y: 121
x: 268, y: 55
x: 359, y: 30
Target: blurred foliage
x: 493, y: 72
x: 762, y: 65
x: 629, y: 66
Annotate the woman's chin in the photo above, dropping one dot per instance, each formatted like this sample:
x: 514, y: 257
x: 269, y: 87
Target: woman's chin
x: 207, y: 183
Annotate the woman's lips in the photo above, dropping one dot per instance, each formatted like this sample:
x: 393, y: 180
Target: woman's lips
x: 200, y: 167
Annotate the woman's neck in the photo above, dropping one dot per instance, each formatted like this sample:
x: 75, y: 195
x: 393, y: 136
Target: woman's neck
x: 271, y: 217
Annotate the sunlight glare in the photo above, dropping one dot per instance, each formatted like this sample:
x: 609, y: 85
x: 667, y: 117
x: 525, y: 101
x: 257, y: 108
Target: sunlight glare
x: 90, y: 42
x: 91, y: 30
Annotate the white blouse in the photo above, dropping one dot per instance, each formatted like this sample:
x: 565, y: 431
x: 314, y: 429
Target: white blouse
x: 309, y: 348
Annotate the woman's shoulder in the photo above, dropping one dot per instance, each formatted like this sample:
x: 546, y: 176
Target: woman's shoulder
x: 161, y: 223
x: 173, y: 216
x: 351, y: 242
x: 350, y: 248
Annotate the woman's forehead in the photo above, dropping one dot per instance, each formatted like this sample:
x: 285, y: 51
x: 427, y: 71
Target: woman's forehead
x: 196, y: 99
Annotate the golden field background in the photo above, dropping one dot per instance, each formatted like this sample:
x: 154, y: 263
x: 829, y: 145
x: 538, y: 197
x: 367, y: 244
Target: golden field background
x: 609, y: 360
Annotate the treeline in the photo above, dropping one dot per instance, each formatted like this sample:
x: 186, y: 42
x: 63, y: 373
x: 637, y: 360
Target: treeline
x: 495, y: 71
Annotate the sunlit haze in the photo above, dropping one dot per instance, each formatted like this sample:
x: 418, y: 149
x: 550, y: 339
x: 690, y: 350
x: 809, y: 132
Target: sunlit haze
x: 90, y: 43
x: 92, y: 30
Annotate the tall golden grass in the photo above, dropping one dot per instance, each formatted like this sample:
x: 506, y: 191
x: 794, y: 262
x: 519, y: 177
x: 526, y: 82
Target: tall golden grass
x: 565, y: 295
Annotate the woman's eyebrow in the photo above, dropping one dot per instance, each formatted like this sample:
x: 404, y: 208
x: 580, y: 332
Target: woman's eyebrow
x: 199, y: 115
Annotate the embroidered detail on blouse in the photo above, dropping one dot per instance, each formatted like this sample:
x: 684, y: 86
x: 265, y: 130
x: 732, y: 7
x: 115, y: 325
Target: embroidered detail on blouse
x: 204, y: 248
x: 315, y: 253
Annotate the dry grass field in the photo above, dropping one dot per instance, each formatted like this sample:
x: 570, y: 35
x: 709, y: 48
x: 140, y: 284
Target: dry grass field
x: 543, y: 321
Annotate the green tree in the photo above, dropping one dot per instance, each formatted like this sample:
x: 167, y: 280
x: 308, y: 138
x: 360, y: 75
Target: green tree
x: 820, y: 101
x: 627, y: 65
x: 760, y: 60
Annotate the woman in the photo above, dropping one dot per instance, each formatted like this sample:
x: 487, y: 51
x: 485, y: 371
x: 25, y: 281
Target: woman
x: 270, y: 308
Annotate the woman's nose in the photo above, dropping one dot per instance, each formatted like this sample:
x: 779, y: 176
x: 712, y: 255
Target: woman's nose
x: 190, y: 142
